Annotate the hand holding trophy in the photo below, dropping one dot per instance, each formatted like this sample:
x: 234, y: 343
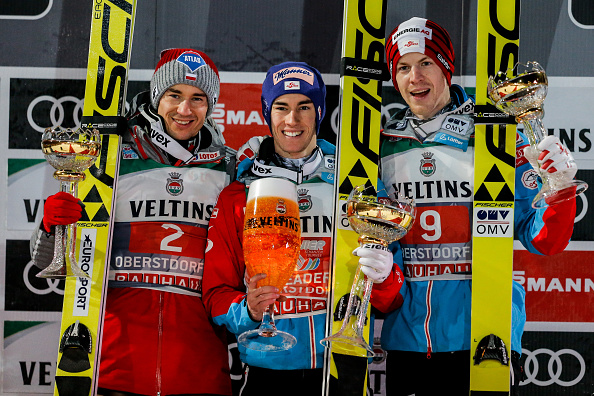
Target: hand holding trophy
x: 271, y: 245
x: 377, y: 220
x: 522, y: 96
x: 70, y: 152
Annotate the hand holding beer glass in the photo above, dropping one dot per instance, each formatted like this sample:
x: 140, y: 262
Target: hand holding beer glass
x: 271, y: 245
x: 379, y: 221
x: 70, y: 152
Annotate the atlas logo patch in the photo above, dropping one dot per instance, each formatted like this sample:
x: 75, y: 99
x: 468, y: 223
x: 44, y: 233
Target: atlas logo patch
x: 192, y: 60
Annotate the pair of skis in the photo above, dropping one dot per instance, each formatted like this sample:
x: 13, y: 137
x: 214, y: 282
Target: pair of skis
x: 494, y: 179
x: 104, y: 105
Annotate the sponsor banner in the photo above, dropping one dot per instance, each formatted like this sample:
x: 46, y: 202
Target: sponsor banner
x: 29, y: 363
x: 28, y: 186
x: 557, y: 364
x: 575, y: 131
x: 24, y: 291
x: 559, y: 288
x: 36, y: 104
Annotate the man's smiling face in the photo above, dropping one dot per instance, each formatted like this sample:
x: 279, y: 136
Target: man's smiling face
x: 184, y: 108
x: 293, y: 120
x: 422, y: 84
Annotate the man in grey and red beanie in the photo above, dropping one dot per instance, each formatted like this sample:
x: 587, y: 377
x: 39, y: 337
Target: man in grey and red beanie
x: 157, y: 336
x: 427, y: 152
x: 293, y: 105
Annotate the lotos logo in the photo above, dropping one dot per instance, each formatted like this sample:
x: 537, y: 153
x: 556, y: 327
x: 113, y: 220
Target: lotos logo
x: 192, y: 60
x: 206, y: 156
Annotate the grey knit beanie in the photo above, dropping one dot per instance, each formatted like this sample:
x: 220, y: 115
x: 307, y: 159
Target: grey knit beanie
x: 185, y: 66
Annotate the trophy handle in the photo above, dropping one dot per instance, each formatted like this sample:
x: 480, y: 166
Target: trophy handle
x: 57, y: 268
x: 352, y: 335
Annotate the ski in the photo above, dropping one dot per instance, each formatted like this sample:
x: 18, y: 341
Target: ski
x: 493, y: 212
x: 362, y: 72
x: 110, y: 45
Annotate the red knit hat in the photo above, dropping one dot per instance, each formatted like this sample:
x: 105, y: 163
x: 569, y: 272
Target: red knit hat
x: 185, y: 66
x: 423, y: 36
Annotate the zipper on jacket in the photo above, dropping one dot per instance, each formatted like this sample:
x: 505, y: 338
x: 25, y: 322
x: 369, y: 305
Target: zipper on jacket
x: 428, y: 318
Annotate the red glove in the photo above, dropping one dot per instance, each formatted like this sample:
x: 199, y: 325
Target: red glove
x: 61, y: 209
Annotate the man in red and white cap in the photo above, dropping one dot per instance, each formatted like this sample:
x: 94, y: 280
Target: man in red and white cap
x: 157, y: 336
x: 427, y: 153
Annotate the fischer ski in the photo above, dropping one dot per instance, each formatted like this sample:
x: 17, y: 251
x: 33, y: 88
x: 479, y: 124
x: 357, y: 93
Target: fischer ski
x: 104, y: 106
x: 494, y: 186
x: 362, y: 72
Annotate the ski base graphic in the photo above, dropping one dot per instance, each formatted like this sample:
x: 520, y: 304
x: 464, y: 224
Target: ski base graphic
x: 105, y: 93
x: 345, y: 369
x: 493, y: 212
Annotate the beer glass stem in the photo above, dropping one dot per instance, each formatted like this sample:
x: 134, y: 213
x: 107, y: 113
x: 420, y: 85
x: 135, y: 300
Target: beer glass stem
x: 267, y: 327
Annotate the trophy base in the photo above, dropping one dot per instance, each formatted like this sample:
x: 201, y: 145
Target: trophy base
x: 349, y: 343
x: 61, y: 273
x: 58, y: 273
x: 267, y: 341
x: 549, y: 197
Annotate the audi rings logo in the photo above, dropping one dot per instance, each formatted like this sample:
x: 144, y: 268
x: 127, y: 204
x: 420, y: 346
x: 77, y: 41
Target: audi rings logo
x: 52, y: 284
x: 550, y: 372
x: 57, y: 111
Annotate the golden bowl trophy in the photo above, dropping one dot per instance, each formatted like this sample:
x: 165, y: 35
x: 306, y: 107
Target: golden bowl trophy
x: 378, y: 220
x: 271, y: 245
x: 522, y: 96
x: 70, y: 152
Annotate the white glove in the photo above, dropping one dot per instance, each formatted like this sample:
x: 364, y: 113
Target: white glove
x: 249, y: 150
x: 376, y: 261
x: 553, y: 157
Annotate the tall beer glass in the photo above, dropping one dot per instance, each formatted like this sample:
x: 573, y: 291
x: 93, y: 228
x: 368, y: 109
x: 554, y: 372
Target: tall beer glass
x: 271, y: 245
